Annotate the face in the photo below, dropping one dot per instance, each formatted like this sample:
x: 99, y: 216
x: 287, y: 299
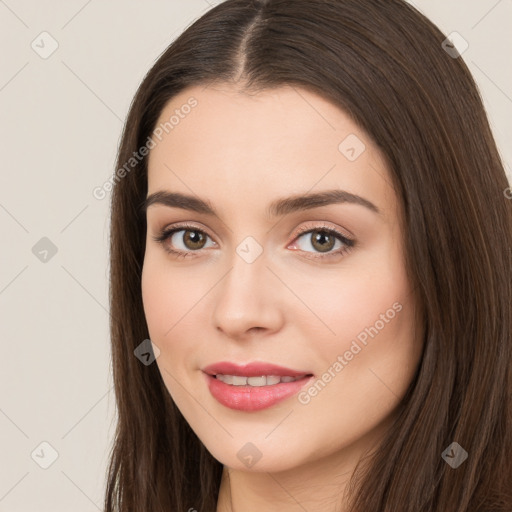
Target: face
x: 241, y: 269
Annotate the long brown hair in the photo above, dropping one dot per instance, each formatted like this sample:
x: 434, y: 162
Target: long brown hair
x: 383, y: 63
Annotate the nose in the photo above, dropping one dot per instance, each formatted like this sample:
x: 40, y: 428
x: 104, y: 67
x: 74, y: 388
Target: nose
x: 248, y: 300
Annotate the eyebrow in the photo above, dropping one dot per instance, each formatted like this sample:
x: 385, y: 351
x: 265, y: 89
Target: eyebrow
x: 277, y: 208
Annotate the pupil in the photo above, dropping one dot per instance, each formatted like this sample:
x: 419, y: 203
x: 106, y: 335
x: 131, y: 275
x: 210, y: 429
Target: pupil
x: 321, y: 239
x: 194, y: 238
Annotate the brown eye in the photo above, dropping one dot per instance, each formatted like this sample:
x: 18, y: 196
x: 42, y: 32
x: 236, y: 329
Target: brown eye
x: 322, y: 241
x: 193, y: 239
x: 183, y: 240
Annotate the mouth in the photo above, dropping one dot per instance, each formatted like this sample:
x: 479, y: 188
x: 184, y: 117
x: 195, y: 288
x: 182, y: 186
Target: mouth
x: 254, y: 386
x: 257, y: 382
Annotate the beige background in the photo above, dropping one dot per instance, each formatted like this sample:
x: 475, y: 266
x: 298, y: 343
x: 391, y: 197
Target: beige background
x: 61, y: 119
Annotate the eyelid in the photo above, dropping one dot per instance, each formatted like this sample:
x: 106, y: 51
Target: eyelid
x: 323, y: 225
x: 183, y: 225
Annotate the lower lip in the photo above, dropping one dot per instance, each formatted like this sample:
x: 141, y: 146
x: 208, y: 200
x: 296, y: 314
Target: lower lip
x: 249, y: 398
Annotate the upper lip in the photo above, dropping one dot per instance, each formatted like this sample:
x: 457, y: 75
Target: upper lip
x: 255, y: 369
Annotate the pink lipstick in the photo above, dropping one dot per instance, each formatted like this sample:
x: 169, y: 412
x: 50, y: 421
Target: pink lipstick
x: 253, y: 386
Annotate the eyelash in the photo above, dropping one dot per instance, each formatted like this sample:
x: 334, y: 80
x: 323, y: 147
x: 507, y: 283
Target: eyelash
x: 167, y: 233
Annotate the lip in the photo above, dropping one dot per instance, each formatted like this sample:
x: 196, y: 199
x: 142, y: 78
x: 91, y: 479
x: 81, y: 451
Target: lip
x: 255, y: 369
x: 249, y: 398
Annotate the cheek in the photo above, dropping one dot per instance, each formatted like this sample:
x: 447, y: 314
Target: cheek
x: 367, y: 298
x: 168, y: 295
x: 170, y: 299
x: 370, y: 347
x: 348, y: 303
x: 367, y: 367
x: 174, y: 301
x: 157, y: 303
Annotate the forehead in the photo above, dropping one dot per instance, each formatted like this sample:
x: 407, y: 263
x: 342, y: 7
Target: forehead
x: 282, y: 140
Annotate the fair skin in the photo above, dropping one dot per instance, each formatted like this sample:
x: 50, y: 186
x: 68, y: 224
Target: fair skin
x: 294, y: 305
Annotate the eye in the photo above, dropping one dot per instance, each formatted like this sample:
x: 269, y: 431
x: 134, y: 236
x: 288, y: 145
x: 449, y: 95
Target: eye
x: 324, y: 241
x: 183, y: 240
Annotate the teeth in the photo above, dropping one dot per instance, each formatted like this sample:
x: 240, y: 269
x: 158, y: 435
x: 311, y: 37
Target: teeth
x: 238, y: 381
x: 257, y: 381
x: 273, y: 379
x: 264, y: 380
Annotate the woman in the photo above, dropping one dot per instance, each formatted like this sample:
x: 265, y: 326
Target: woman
x: 310, y: 223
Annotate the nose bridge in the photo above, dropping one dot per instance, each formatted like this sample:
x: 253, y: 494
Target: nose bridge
x: 246, y: 297
x: 247, y: 282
